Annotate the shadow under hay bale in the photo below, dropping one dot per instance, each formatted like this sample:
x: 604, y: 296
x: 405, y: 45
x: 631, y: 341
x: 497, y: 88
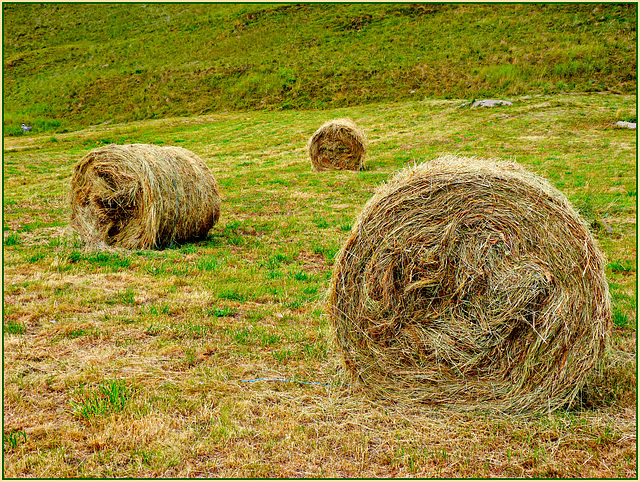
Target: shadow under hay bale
x: 470, y: 283
x: 337, y: 145
x: 142, y: 196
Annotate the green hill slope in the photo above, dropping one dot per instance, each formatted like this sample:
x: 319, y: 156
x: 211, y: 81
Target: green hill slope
x: 69, y: 65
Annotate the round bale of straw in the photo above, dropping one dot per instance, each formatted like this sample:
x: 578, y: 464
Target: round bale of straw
x: 470, y: 283
x: 338, y: 144
x: 142, y: 196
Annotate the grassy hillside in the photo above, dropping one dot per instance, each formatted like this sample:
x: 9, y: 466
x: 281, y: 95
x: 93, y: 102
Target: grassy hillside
x: 133, y: 363
x: 71, y: 65
x: 136, y: 364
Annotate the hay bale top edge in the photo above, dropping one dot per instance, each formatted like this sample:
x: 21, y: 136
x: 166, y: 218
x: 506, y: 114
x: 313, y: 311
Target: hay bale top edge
x: 454, y: 169
x: 343, y: 124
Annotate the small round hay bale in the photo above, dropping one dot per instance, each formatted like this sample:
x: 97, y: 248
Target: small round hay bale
x: 337, y: 145
x: 470, y: 283
x: 142, y: 196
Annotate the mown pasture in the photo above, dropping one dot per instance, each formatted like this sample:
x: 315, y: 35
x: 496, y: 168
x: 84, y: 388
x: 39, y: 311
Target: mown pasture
x: 136, y: 363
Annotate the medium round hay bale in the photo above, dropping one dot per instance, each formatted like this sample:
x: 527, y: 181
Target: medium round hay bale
x: 142, y: 196
x: 337, y: 145
x: 470, y: 283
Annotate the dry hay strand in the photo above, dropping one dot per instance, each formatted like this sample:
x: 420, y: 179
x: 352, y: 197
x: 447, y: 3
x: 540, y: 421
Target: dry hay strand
x: 338, y: 144
x: 470, y: 283
x: 142, y: 196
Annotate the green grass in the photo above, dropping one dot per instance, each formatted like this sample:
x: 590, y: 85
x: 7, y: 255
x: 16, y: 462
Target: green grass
x: 90, y: 63
x: 112, y: 261
x: 220, y: 312
x: 622, y: 266
x: 246, y: 302
x: 109, y: 396
x: 12, y: 240
x: 12, y: 438
x: 132, y: 362
x: 13, y: 328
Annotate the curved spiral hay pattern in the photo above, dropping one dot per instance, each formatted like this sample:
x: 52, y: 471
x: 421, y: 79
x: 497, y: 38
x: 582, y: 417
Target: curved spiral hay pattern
x: 470, y: 283
x: 337, y: 145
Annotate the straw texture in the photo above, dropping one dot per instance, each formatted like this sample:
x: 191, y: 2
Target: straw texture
x: 470, y: 283
x: 142, y: 196
x: 337, y: 145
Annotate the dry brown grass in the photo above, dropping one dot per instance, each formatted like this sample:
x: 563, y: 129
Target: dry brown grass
x: 192, y: 420
x: 471, y: 283
x: 338, y: 144
x: 142, y: 196
x: 168, y: 324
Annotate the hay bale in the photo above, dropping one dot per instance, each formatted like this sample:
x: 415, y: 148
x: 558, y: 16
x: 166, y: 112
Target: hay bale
x: 142, y: 196
x: 470, y: 283
x: 337, y: 145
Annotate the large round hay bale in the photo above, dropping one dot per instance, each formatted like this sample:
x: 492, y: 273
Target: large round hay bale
x: 142, y: 196
x: 470, y: 283
x: 338, y: 144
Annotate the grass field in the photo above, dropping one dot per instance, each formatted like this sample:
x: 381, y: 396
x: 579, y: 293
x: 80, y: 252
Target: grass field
x: 169, y: 363
x: 135, y: 363
x: 70, y: 65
